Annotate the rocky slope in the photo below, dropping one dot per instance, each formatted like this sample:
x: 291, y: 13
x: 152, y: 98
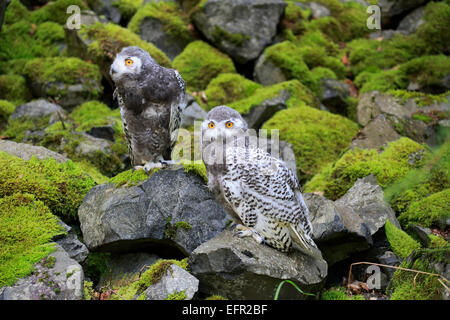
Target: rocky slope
x: 363, y: 118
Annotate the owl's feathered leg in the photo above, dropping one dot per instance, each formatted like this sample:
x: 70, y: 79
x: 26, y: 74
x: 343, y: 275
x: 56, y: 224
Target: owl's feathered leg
x: 243, y: 231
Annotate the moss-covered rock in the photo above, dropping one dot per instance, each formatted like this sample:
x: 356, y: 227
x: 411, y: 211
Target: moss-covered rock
x: 228, y: 87
x: 55, y: 11
x: 60, y: 186
x: 127, y: 8
x: 397, y: 159
x: 433, y: 210
x: 406, y: 285
x: 27, y: 227
x: 130, y: 177
x: 426, y: 73
x: 6, y: 109
x: 419, y: 183
x: 13, y: 88
x: 317, y: 137
x: 164, y: 25
x: 199, y: 63
x: 16, y: 12
x: 288, y: 58
x: 297, y: 95
x: 69, y: 81
x: 101, y: 42
x: 401, y: 243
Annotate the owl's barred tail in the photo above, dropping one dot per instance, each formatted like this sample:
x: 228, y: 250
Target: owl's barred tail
x: 303, y: 241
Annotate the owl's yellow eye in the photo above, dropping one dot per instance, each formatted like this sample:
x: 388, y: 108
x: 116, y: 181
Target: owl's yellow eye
x: 211, y: 125
x: 128, y: 62
x: 229, y: 124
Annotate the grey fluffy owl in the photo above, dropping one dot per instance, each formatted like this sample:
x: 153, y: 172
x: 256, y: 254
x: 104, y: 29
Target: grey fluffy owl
x: 151, y: 100
x: 261, y: 193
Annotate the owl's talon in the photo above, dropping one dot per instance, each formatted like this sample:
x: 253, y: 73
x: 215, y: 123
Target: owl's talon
x: 152, y: 165
x: 137, y: 168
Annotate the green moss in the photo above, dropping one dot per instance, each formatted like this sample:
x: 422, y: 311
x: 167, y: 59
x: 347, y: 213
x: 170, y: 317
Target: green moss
x: 317, y: 137
x: 426, y: 71
x: 216, y: 297
x: 437, y: 242
x: 299, y: 95
x: 88, y: 291
x: 15, y: 12
x: 106, y: 40
x: 228, y: 87
x: 220, y: 34
x: 412, y: 286
x: 55, y: 11
x: 435, y: 31
x: 95, y: 114
x: 177, y: 296
x: 6, y: 109
x: 428, y: 212
x: 420, y: 98
x: 199, y: 63
x: 338, y: 294
x: 171, y: 229
x: 49, y: 32
x: 27, y: 227
x: 175, y: 22
x: 320, y: 73
x: 92, y: 171
x: 388, y: 166
x: 433, y: 177
x: 130, y: 178
x: 14, y: 88
x: 67, y: 70
x: 287, y: 56
x: 294, y: 18
x: 198, y: 169
x: 60, y: 186
x: 401, y: 243
x: 16, y: 128
x: 316, y: 39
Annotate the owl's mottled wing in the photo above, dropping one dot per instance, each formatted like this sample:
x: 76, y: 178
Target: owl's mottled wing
x: 267, y: 187
x: 176, y: 109
x: 120, y: 102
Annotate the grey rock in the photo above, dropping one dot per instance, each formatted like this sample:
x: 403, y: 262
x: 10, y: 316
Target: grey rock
x: 318, y: 10
x: 38, y: 109
x: 62, y: 281
x: 107, y: 9
x: 89, y: 145
x: 26, y: 151
x: 423, y: 234
x: 138, y: 217
x: 412, y: 21
x: 392, y: 9
x: 152, y: 30
x: 389, y: 258
x: 240, y: 268
x: 401, y: 115
x: 385, y: 34
x: 66, y: 95
x: 125, y: 266
x: 175, y: 280
x: 70, y: 243
x: 334, y: 95
x: 348, y: 225
x: 375, y: 134
x: 104, y: 132
x: 267, y: 73
x: 265, y: 110
x: 193, y: 112
x: 255, y: 20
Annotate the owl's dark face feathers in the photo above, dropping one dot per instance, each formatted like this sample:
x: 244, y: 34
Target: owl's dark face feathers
x: 131, y: 64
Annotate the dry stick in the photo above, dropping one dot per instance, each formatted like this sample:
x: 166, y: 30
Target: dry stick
x: 400, y: 268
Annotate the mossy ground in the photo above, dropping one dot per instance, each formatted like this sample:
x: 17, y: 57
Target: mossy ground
x: 26, y: 228
x: 199, y: 63
x: 338, y: 294
x: 401, y: 243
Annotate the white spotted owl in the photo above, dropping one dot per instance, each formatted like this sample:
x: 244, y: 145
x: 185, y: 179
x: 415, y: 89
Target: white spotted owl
x: 261, y: 193
x: 151, y: 100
